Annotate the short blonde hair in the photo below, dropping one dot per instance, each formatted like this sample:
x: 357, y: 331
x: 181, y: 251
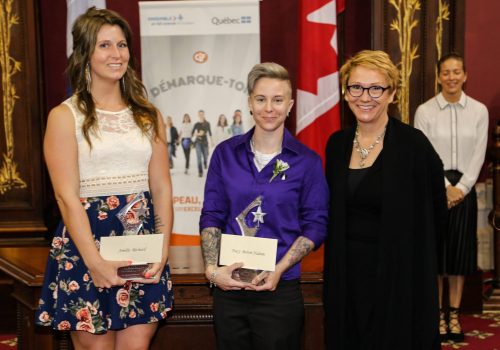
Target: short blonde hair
x: 371, y: 59
x: 267, y: 70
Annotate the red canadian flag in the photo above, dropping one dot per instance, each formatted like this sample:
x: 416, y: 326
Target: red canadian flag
x: 318, y: 95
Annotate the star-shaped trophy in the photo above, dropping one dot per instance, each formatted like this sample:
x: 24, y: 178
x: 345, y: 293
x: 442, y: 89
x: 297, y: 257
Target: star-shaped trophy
x: 258, y: 216
x: 247, y: 275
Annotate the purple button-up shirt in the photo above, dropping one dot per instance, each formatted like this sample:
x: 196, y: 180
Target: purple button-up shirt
x: 293, y: 207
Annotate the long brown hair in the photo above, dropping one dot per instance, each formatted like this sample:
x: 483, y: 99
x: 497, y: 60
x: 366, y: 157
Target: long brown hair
x: 85, y: 30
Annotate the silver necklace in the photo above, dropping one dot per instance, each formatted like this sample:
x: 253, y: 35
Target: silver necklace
x: 364, y: 152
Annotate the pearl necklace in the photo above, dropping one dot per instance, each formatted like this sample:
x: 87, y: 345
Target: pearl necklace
x: 364, y: 152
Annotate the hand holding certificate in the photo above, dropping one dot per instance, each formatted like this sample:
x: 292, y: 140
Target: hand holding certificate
x: 254, y: 252
x: 141, y: 250
x: 257, y: 254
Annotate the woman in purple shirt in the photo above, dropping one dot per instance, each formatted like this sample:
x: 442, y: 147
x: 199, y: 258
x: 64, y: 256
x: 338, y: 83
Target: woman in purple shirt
x: 284, y: 180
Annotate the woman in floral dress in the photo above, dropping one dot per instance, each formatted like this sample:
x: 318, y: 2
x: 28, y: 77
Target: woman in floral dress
x: 105, y: 149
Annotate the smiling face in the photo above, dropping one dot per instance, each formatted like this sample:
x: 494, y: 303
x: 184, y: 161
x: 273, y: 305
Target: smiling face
x: 452, y: 78
x: 111, y: 55
x: 365, y: 108
x: 270, y: 103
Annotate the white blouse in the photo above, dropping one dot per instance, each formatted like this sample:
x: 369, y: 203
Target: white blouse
x: 118, y: 161
x: 459, y: 134
x: 186, y: 130
x: 221, y: 133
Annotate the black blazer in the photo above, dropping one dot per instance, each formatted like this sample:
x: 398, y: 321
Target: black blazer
x: 413, y: 212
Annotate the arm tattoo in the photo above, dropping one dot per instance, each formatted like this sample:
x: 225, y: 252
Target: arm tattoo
x: 210, y: 245
x: 158, y: 222
x: 300, y: 248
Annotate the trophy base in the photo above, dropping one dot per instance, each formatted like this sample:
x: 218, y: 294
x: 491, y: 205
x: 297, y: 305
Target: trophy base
x: 245, y: 275
x: 133, y: 271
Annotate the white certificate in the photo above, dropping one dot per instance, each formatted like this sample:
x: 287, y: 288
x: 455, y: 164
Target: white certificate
x: 138, y: 248
x: 254, y: 252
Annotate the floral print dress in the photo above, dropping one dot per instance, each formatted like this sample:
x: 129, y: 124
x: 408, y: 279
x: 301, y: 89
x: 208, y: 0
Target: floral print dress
x: 69, y: 299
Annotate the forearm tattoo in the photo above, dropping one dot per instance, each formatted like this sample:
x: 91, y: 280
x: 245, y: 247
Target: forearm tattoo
x: 210, y: 245
x: 300, y: 248
x: 158, y: 223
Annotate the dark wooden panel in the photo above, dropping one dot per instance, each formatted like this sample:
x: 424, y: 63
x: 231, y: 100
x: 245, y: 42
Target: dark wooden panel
x: 21, y: 175
x: 8, y: 309
x: 421, y: 72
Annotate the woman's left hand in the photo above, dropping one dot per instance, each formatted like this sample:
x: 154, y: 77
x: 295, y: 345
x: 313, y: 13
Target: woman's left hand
x: 266, y: 281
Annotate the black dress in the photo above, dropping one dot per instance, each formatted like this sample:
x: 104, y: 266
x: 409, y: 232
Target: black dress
x: 458, y: 254
x: 395, y: 291
x: 363, y: 215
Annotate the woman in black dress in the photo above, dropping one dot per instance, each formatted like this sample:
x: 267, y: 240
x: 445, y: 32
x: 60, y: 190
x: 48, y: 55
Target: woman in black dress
x: 386, y: 202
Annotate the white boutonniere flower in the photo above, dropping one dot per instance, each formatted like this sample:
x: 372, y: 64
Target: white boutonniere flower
x: 279, y: 169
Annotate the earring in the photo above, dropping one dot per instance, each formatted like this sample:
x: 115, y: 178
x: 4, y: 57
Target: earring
x: 251, y: 113
x: 122, y: 81
x: 88, y: 78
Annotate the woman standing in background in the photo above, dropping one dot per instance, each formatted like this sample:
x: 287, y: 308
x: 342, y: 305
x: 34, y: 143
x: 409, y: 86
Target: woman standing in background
x: 172, y: 140
x: 185, y: 136
x: 221, y: 131
x: 457, y: 126
x: 237, y: 126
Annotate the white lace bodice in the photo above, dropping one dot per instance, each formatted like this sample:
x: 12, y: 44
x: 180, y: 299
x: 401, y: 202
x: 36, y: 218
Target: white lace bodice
x: 119, y: 159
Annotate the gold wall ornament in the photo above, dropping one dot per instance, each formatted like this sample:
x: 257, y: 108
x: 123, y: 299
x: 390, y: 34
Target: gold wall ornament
x: 443, y: 15
x: 404, y: 23
x: 9, y: 176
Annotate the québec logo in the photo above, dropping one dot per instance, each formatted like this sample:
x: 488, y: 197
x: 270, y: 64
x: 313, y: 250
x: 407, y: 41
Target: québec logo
x: 228, y: 20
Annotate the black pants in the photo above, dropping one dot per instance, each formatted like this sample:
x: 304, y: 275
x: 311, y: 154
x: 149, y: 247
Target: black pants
x: 247, y: 320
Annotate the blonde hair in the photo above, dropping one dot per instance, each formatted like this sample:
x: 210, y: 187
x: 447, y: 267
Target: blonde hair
x: 371, y: 59
x: 267, y: 70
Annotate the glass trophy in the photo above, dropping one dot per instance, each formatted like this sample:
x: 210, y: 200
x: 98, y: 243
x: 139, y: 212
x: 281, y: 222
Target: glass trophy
x: 133, y: 214
x: 243, y: 274
x: 132, y: 218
